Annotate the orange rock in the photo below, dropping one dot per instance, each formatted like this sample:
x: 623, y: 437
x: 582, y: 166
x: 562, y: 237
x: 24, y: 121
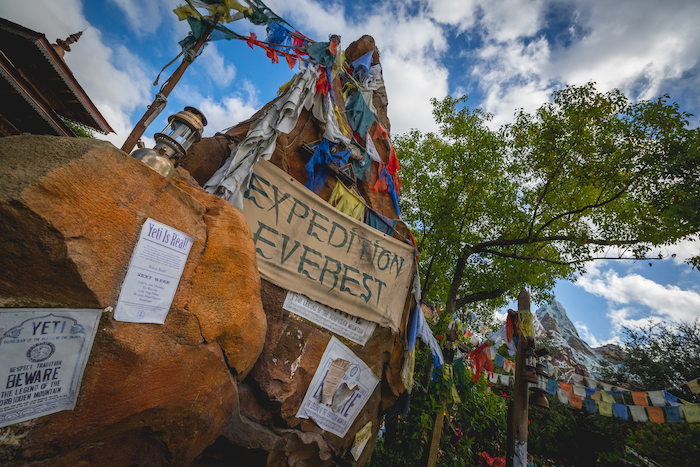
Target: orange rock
x: 72, y: 211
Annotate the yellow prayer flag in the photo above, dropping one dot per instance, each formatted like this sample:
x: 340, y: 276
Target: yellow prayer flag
x: 607, y: 397
x: 346, y: 201
x: 606, y: 408
x: 691, y: 413
x: 694, y: 386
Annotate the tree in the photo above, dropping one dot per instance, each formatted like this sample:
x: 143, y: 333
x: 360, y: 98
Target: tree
x: 657, y: 356
x: 589, y: 175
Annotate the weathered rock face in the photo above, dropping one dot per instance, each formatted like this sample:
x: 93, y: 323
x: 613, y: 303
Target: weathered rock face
x: 265, y: 429
x: 71, y: 211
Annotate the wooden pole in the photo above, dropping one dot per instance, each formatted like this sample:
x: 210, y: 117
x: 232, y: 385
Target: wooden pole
x: 516, y: 449
x: 161, y: 98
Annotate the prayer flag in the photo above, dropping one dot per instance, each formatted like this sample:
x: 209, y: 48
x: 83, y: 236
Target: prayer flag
x: 597, y: 395
x: 590, y: 392
x: 575, y: 401
x: 620, y: 411
x: 607, y: 387
x: 691, y: 413
x: 552, y: 386
x: 508, y: 365
x: 591, y: 406
x: 605, y: 408
x: 579, y: 390
x: 657, y: 398
x: 504, y: 379
x: 656, y: 414
x: 673, y: 414
x: 640, y: 398
x: 694, y: 386
x: 565, y: 387
x: 670, y: 398
x: 499, y: 361
x: 563, y: 396
x: 639, y: 413
x: 607, y: 397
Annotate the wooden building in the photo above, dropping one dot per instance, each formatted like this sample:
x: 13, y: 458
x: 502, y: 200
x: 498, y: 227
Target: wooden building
x: 37, y: 89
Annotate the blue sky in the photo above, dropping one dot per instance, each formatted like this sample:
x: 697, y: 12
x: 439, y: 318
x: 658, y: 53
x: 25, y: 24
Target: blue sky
x: 504, y: 54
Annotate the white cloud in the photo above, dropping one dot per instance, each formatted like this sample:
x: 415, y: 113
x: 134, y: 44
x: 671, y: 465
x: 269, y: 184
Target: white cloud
x: 215, y: 65
x: 114, y: 78
x: 145, y: 17
x: 633, y: 298
x: 229, y: 111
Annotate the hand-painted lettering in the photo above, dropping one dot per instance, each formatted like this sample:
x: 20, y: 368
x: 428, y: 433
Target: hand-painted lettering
x: 254, y: 187
x: 303, y: 261
x: 257, y: 237
x: 313, y: 223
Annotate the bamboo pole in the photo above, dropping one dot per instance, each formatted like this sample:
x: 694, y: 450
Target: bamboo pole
x: 161, y: 98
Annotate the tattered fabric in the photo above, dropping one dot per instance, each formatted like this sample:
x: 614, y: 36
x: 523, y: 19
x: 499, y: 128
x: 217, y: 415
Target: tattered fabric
x: 563, y: 396
x: 233, y: 177
x: 347, y: 202
x: 322, y: 157
x: 410, y: 363
x: 480, y: 361
x: 320, y: 51
x: 359, y: 114
x: 426, y: 335
x: 380, y: 222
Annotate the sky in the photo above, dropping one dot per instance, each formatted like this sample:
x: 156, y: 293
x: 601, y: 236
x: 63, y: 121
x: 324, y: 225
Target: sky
x: 504, y: 54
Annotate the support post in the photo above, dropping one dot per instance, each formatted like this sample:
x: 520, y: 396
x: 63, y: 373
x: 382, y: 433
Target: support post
x: 161, y: 98
x: 516, y: 448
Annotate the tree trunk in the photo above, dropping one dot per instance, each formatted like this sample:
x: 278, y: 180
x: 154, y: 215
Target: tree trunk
x: 451, y: 305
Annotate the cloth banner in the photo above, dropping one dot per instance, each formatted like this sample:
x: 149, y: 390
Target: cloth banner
x: 552, y: 386
x: 575, y: 401
x: 691, y: 413
x: 590, y: 405
x: 657, y: 398
x: 694, y: 386
x: 620, y: 411
x: 605, y: 408
x: 607, y: 397
x: 656, y: 414
x: 305, y: 245
x: 673, y: 414
x: 504, y: 379
x: 579, y: 390
x: 563, y: 396
x: 565, y: 387
x: 639, y: 413
x: 590, y: 392
x: 640, y: 398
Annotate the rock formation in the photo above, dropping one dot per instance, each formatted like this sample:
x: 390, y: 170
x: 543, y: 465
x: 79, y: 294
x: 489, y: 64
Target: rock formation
x: 71, y: 212
x: 221, y: 381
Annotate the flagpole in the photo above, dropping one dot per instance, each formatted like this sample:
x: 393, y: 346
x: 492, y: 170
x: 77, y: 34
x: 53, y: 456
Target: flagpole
x: 161, y: 98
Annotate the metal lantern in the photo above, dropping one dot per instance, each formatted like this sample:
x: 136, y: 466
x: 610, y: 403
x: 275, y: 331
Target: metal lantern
x: 183, y: 129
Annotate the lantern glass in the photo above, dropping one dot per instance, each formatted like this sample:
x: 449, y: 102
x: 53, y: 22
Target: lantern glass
x: 181, y: 132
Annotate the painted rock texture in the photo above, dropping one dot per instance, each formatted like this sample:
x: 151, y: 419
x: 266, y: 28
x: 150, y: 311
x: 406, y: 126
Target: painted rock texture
x: 71, y: 212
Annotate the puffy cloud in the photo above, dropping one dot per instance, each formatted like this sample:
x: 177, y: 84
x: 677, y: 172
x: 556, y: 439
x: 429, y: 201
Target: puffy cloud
x: 216, y: 66
x: 633, y: 299
x: 113, y: 77
x: 229, y: 111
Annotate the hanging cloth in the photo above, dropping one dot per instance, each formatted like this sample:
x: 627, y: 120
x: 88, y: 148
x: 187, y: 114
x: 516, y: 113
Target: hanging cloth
x: 596, y: 396
x: 670, y: 398
x: 607, y: 387
x: 657, y: 398
x: 361, y: 168
x: 639, y: 413
x: 347, y: 202
x: 372, y: 149
x: 673, y: 414
x: 620, y: 411
x: 552, y: 386
x: 359, y: 114
x: 232, y: 179
x: 579, y: 390
x: 527, y: 326
x: 563, y: 396
x: 640, y: 398
x: 380, y: 222
x: 694, y: 386
x: 590, y: 392
x: 691, y: 413
x: 499, y: 360
x: 480, y: 361
x: 605, y: 408
x: 385, y: 184
x: 575, y: 401
x: 607, y: 397
x: 362, y: 65
x: 410, y: 363
x: 504, y: 379
x: 322, y: 157
x: 508, y: 365
x: 426, y: 335
x: 656, y: 414
x: 565, y: 387
x: 590, y: 405
x: 322, y: 53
